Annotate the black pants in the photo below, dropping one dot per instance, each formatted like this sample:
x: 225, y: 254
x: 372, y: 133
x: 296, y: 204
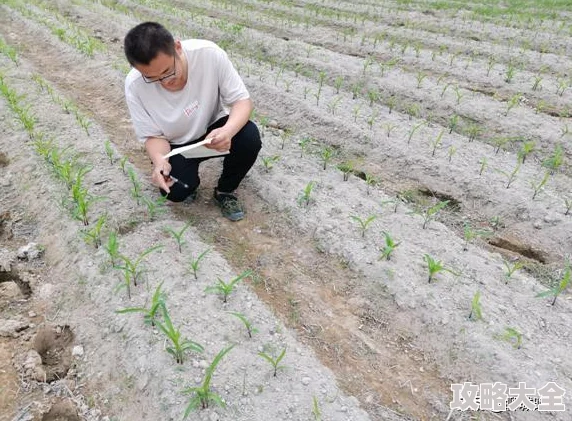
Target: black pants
x: 244, y: 149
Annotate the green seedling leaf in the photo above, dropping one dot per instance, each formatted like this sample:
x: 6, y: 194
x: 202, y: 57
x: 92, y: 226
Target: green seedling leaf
x: 149, y: 314
x: 435, y: 266
x: 363, y: 223
x: 179, y: 345
x: 273, y: 361
x: 194, y: 263
x: 560, y: 286
x: 390, y: 246
x: 249, y: 328
x: 225, y: 289
x: 178, y: 235
x: 476, y: 313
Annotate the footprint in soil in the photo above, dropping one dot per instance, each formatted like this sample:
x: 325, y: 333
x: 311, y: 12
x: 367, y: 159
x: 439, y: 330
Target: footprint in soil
x: 61, y: 411
x: 54, y: 347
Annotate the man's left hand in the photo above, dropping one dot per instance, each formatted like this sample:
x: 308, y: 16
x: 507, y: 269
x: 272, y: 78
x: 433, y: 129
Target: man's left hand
x: 221, y: 140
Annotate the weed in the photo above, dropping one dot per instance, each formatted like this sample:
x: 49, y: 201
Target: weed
x: 363, y: 223
x: 203, y: 395
x: 390, y: 246
x: 304, y: 197
x: 179, y: 345
x: 195, y: 262
x: 149, y: 314
x: 511, y: 269
x: 93, y: 235
x: 273, y: 361
x: 561, y: 285
x: 435, y: 266
x: 225, y: 289
x: 247, y: 324
x: 476, y: 313
x: 178, y: 235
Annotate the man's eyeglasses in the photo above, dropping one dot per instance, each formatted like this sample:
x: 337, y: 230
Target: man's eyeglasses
x: 165, y: 77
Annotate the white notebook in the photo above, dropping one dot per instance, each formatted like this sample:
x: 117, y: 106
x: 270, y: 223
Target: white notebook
x: 196, y: 150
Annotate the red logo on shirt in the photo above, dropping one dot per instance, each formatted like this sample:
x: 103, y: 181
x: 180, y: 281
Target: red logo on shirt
x: 190, y: 110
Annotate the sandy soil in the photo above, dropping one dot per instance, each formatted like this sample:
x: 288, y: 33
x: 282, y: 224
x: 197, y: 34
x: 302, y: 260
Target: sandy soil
x: 365, y: 338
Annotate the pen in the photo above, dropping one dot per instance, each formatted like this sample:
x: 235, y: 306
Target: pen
x: 176, y: 180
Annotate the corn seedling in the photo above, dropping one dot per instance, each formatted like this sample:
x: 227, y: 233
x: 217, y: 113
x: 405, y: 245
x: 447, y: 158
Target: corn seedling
x: 510, y: 269
x: 305, y: 195
x: 435, y: 266
x: 356, y: 89
x: 490, y: 64
x: 513, y: 102
x: 373, y: 96
x: 390, y: 246
x: 431, y: 212
x: 540, y: 106
x: 93, y: 235
x: 413, y: 110
x: 178, y: 235
x: 371, y: 119
x: 510, y: 72
x: 476, y: 313
x: 338, y: 82
x: 82, y: 202
x: 451, y: 151
x: 131, y: 268
x: 304, y: 143
x: 135, y: 185
x: 355, y: 112
x: 179, y: 345
x: 483, y: 166
x: 109, y: 151
x: 370, y: 180
x: 437, y: 142
x: 154, y: 206
x: 512, y: 175
x: 445, y: 89
x: 149, y: 314
x: 284, y: 136
x: 194, y: 263
x: 389, y: 127
x: 112, y: 247
x: 537, y: 83
x: 564, y: 131
x: 453, y: 123
x: 420, y: 77
x: 9, y: 51
x: 568, y: 205
x: 122, y: 163
x: 274, y: 361
x: 334, y: 104
x: 472, y: 131
x: 346, y: 168
x: 203, y: 395
x: 391, y: 103
x: 513, y: 336
x: 316, y: 413
x: 561, y: 285
x: 249, y: 328
x: 83, y: 121
x: 321, y: 79
x: 469, y: 234
x: 537, y: 187
x: 327, y: 153
x: 363, y: 223
x: 268, y: 161
x: 225, y: 289
x: 562, y: 86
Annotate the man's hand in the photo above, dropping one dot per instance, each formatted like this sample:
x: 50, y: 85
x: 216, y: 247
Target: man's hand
x: 160, y: 175
x: 221, y: 139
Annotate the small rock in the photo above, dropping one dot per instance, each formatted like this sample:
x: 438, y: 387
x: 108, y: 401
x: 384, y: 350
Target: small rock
x: 214, y: 417
x: 30, y: 251
x: 203, y: 364
x: 77, y: 351
x: 421, y: 369
x: 344, y: 409
x: 6, y: 182
x: 306, y: 381
x: 537, y: 224
x: 32, y: 314
x: 12, y: 328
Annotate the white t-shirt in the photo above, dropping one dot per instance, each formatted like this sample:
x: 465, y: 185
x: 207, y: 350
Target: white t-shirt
x: 182, y: 116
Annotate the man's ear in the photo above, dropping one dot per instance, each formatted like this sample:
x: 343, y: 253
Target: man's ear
x: 178, y: 46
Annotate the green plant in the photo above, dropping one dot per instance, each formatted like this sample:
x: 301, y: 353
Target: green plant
x: 469, y: 234
x: 321, y: 78
x: 568, y: 205
x: 510, y: 72
x: 334, y: 104
x: 82, y: 200
x: 363, y: 223
x: 476, y: 313
x: 149, y: 314
x: 560, y: 286
x: 93, y: 235
x: 269, y: 161
x: 122, y: 163
x: 179, y: 345
x: 451, y: 151
x: 284, y: 136
x: 370, y: 180
x: 109, y: 151
x: 9, y: 51
x: 155, y: 206
x: 247, y: 324
x: 390, y: 246
x: 327, y: 153
x: 305, y: 195
x: 273, y: 361
x: 540, y: 185
x: 304, y: 143
x: 431, y: 212
x: 346, y: 168
x: 458, y: 94
x: 338, y: 82
x: 483, y: 163
x: 513, y: 102
x: 453, y: 123
x: 135, y: 185
x: 203, y: 395
x: 413, y: 130
x: 131, y: 268
x: 435, y: 266
x: 420, y: 77
x: 511, y: 268
x: 178, y: 235
x: 316, y: 413
x: 373, y: 95
x: 195, y: 262
x: 389, y: 127
x: 512, y: 175
x: 472, y: 131
x: 355, y: 112
x: 437, y: 142
x: 537, y: 83
x: 225, y: 289
x: 512, y: 336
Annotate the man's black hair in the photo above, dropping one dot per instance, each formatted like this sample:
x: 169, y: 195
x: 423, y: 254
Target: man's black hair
x: 145, y: 41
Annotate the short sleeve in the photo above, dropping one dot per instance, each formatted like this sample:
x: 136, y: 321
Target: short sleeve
x: 231, y: 85
x: 143, y: 123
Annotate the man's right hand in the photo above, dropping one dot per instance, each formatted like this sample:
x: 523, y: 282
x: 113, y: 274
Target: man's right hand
x: 160, y: 175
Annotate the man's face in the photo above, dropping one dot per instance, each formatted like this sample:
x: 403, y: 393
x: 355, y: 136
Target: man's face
x: 168, y: 71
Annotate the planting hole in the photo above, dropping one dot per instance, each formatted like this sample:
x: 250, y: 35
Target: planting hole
x: 14, y: 278
x: 454, y: 204
x: 515, y: 246
x: 54, y: 346
x: 61, y: 411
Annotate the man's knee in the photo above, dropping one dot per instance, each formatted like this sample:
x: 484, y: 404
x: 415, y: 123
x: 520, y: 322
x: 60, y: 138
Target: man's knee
x: 248, y: 139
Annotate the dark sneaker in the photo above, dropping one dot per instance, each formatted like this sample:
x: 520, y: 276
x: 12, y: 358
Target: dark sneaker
x: 229, y: 206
